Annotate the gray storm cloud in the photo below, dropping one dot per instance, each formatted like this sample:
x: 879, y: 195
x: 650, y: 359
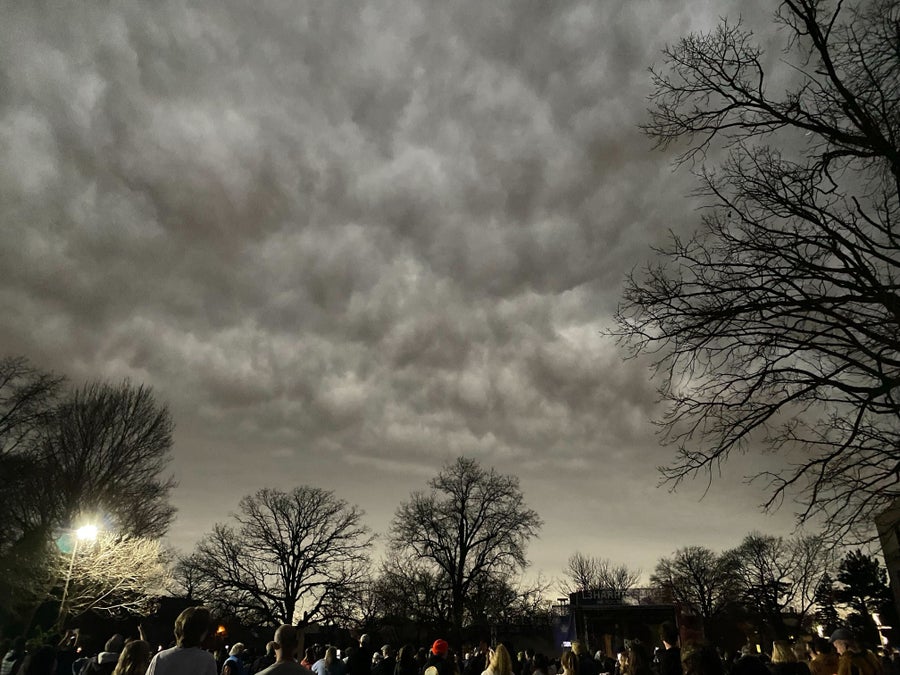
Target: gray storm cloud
x: 353, y: 239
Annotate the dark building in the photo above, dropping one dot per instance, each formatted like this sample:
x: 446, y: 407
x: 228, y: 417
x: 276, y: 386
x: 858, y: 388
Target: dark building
x: 604, y: 618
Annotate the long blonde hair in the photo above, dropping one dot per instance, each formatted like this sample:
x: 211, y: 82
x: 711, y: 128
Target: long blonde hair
x: 134, y: 659
x: 501, y: 662
x: 569, y: 662
x: 782, y: 652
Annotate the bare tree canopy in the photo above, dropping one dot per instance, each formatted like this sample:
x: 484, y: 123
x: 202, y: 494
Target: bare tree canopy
x: 115, y: 574
x: 778, y: 324
x: 26, y: 402
x: 110, y: 444
x: 96, y: 453
x: 408, y: 588
x: 698, y: 579
x: 774, y: 575
x: 589, y: 573
x: 472, y: 526
x: 289, y: 556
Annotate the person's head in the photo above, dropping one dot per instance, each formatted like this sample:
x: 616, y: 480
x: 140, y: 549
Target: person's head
x: 237, y: 649
x: 541, y: 663
x: 407, y: 655
x: 637, y: 660
x: 286, y: 642
x: 270, y: 648
x: 364, y: 640
x: 782, y: 652
x: 387, y: 651
x: 820, y: 645
x: 191, y: 626
x: 440, y: 648
x: 668, y: 633
x: 569, y: 661
x: 134, y: 659
x: 501, y: 661
x: 578, y: 647
x: 114, y: 644
x: 800, y: 651
x: 330, y: 655
x: 701, y: 659
x: 843, y: 639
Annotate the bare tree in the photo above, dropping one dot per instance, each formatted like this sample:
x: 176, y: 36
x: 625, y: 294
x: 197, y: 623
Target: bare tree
x: 774, y: 575
x: 27, y: 395
x: 109, y: 446
x: 98, y: 451
x: 115, y: 574
x: 409, y: 589
x: 187, y: 578
x: 499, y: 600
x: 698, y: 579
x: 288, y: 557
x: 581, y: 574
x: 590, y: 573
x: 474, y: 524
x: 27, y: 400
x: 778, y: 324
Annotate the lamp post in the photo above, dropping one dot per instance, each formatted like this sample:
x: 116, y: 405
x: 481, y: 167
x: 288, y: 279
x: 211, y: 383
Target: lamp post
x: 84, y: 533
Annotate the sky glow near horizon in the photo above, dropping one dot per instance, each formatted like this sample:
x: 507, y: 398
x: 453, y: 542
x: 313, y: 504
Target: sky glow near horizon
x: 349, y: 242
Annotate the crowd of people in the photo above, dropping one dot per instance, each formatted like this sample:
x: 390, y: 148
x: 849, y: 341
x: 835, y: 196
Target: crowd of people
x: 839, y: 655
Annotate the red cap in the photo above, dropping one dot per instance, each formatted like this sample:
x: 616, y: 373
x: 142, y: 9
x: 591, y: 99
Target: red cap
x: 439, y: 647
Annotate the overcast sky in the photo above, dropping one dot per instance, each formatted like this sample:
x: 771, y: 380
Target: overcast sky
x: 349, y: 241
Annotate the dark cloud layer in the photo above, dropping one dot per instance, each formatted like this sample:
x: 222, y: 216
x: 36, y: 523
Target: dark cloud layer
x: 350, y: 241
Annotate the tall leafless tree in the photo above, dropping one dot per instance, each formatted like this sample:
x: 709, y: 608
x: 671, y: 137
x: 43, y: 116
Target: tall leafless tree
x: 109, y: 447
x: 774, y: 575
x: 285, y: 559
x: 698, y: 579
x: 99, y: 451
x: 472, y: 525
x: 590, y: 573
x: 778, y: 324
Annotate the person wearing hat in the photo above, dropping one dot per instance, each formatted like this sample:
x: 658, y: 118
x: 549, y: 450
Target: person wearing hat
x: 853, y: 659
x: 437, y: 663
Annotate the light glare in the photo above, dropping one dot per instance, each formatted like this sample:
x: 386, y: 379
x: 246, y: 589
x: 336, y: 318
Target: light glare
x: 88, y: 532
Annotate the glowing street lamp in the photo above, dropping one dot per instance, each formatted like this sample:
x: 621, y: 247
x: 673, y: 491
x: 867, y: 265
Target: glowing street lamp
x: 83, y: 533
x: 87, y: 532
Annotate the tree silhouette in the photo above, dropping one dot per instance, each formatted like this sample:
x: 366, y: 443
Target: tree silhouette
x: 472, y: 526
x: 777, y: 325
x: 774, y: 575
x: 590, y: 573
x: 827, y: 613
x: 289, y: 557
x: 864, y: 590
x: 698, y: 579
x: 98, y: 452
